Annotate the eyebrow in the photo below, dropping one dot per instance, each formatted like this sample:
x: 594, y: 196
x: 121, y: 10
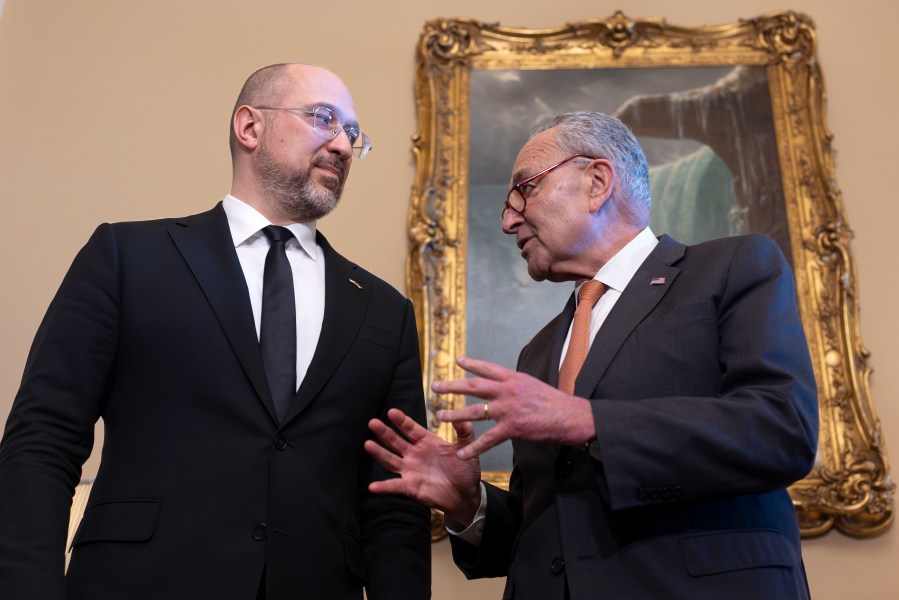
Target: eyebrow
x: 334, y: 109
x: 520, y: 175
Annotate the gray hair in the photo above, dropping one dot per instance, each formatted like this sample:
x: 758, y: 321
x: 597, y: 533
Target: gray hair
x: 603, y: 136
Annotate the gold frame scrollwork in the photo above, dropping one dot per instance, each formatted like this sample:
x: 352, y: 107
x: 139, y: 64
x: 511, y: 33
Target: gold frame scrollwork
x: 850, y: 488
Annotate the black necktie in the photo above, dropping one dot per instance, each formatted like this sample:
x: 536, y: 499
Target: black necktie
x: 278, y: 330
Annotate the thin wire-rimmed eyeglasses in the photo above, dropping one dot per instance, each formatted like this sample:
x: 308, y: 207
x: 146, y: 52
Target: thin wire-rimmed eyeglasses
x: 326, y: 124
x: 517, y: 198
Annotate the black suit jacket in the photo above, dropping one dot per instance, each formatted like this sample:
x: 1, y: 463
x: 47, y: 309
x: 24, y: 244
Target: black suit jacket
x: 200, y: 490
x: 706, y: 409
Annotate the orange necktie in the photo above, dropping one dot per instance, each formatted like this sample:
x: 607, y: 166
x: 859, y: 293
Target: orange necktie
x: 579, y: 344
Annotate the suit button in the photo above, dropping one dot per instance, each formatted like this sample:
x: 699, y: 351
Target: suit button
x: 564, y: 470
x: 641, y: 495
x: 557, y: 566
x: 280, y: 443
x: 260, y: 531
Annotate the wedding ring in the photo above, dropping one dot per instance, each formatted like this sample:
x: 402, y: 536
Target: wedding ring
x: 486, y: 411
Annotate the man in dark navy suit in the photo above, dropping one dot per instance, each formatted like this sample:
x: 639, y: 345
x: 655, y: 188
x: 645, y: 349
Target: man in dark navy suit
x: 656, y: 421
x: 213, y: 483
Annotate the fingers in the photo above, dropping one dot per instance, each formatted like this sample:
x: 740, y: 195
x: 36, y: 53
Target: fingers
x: 471, y: 412
x: 470, y: 446
x: 464, y: 432
x: 389, y: 486
x: 490, y: 438
x: 483, y: 368
x: 485, y: 385
x: 407, y: 425
x: 387, y: 459
x: 388, y: 436
x: 478, y: 387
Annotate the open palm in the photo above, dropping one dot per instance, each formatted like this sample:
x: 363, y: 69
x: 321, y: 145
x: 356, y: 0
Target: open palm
x: 428, y: 467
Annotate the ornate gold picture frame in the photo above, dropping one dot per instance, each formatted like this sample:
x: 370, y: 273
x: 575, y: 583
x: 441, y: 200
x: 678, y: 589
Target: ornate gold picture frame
x: 850, y: 487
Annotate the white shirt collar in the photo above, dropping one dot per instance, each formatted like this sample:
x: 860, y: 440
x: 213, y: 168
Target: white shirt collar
x: 620, y: 269
x: 245, y: 223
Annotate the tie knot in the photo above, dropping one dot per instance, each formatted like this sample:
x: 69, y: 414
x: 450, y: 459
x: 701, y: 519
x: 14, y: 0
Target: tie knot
x: 590, y: 293
x: 274, y: 233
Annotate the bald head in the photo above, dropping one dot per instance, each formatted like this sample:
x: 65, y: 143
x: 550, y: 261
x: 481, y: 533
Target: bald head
x: 269, y: 85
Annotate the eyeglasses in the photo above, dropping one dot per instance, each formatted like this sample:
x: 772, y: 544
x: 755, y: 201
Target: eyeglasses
x: 517, y: 198
x: 327, y: 125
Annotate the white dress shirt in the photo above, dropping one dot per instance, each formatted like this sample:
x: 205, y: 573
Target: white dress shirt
x: 307, y: 263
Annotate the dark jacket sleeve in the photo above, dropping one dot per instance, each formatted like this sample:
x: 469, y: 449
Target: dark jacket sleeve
x: 49, y: 433
x: 494, y: 555
x: 729, y: 404
x: 396, y: 530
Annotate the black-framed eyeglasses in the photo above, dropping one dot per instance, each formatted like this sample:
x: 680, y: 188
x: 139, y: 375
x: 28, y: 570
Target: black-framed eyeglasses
x: 517, y: 198
x: 328, y: 125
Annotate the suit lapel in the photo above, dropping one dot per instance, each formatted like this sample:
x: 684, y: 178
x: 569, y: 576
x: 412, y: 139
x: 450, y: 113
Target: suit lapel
x: 558, y: 342
x: 345, y: 305
x: 637, y: 300
x: 205, y: 243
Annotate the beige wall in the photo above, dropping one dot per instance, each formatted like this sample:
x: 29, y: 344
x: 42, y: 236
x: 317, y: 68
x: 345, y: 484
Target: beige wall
x: 114, y: 110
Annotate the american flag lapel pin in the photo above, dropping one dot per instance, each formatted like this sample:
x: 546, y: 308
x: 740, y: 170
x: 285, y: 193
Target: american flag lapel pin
x: 657, y: 281
x: 354, y: 282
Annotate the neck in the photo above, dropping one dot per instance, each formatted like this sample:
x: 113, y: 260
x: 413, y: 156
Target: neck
x: 249, y: 195
x: 610, y: 243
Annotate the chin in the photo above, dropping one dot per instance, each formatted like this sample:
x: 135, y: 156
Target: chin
x: 536, y: 275
x: 332, y: 185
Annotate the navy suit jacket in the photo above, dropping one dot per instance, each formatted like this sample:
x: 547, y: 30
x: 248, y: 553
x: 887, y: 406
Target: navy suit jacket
x: 200, y: 490
x: 706, y: 409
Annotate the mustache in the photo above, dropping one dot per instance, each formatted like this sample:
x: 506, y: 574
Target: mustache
x: 331, y: 161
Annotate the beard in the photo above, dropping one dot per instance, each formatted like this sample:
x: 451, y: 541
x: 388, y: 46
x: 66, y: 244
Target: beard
x: 292, y: 189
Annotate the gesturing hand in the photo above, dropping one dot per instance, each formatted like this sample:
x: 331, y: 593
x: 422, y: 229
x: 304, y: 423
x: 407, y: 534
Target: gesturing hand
x: 429, y: 468
x: 523, y: 407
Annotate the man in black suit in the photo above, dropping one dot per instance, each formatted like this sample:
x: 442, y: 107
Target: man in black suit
x: 212, y: 485
x: 658, y: 468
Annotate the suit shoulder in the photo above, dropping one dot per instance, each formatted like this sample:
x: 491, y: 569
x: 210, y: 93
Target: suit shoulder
x: 207, y: 216
x: 748, y: 239
x: 743, y: 260
x: 751, y: 244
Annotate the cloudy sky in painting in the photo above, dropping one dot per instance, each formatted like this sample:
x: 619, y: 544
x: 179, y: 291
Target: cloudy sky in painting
x: 507, y: 105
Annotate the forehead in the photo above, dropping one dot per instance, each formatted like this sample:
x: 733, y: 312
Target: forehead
x: 313, y: 86
x: 538, y: 153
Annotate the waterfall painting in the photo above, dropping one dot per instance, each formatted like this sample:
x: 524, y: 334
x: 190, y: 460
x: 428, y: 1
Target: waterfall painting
x: 732, y: 120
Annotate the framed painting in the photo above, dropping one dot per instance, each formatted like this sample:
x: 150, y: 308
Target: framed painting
x: 732, y: 122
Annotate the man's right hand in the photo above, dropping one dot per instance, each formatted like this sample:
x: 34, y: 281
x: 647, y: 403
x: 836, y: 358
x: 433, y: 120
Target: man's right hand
x: 429, y: 469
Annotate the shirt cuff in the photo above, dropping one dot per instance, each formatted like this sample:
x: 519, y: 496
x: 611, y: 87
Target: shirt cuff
x: 471, y: 534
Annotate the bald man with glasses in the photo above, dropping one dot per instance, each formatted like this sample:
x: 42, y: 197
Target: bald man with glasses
x: 235, y: 358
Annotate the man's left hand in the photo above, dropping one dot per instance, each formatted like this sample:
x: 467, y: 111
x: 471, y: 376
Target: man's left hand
x: 523, y: 407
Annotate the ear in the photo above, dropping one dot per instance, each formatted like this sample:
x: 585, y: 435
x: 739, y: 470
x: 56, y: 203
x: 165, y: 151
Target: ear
x: 603, y: 183
x: 247, y: 126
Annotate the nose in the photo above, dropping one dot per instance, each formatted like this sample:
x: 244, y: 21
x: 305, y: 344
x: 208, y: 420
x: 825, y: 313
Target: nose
x: 511, y: 221
x: 341, y: 145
